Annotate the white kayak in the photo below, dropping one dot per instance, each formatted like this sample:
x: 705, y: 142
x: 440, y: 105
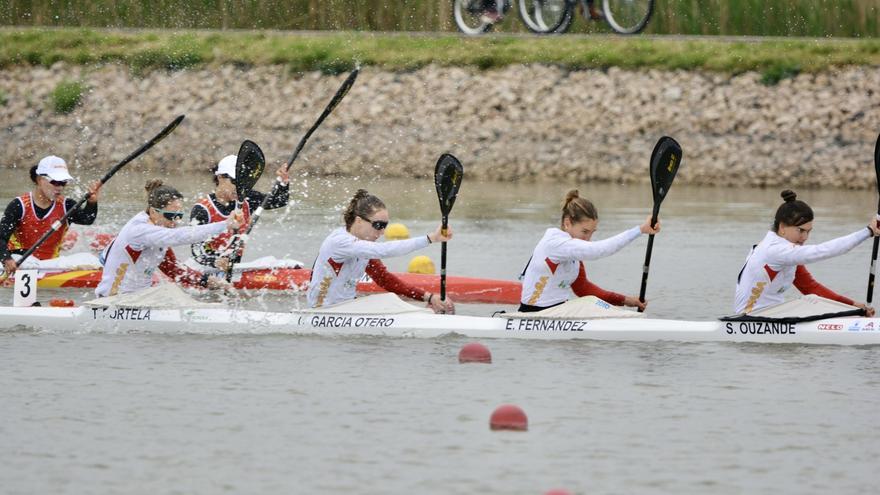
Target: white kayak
x: 385, y: 315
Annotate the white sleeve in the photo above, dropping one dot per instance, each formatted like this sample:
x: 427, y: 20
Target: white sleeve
x: 150, y: 235
x: 577, y: 249
x: 356, y: 248
x: 788, y: 254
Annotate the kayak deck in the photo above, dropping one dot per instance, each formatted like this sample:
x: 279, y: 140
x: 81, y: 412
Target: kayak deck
x: 226, y: 321
x: 460, y: 289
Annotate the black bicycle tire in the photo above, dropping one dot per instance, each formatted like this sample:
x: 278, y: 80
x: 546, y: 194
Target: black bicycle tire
x: 638, y: 28
x: 567, y: 20
x: 456, y: 15
x: 560, y: 27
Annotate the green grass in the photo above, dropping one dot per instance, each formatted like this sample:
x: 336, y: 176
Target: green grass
x: 67, y: 95
x: 339, y: 52
x: 772, y: 75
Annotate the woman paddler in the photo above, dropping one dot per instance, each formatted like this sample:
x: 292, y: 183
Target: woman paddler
x: 31, y: 215
x: 217, y: 206
x: 556, y: 268
x: 143, y: 245
x: 777, y: 262
x: 347, y: 253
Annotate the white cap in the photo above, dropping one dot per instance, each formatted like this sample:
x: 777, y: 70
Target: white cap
x: 227, y: 166
x: 54, y: 167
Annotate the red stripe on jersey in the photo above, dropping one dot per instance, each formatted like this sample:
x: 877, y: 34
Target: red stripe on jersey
x: 133, y: 253
x: 334, y: 265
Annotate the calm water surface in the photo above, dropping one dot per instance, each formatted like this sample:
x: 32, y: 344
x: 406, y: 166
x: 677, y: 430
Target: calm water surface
x: 93, y: 413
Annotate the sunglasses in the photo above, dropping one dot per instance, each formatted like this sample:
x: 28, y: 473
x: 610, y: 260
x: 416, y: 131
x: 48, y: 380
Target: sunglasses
x: 377, y: 224
x: 170, y: 215
x: 58, y: 183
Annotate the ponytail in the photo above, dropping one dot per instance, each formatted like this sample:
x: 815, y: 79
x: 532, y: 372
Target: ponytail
x: 158, y: 195
x: 577, y: 209
x: 362, y: 205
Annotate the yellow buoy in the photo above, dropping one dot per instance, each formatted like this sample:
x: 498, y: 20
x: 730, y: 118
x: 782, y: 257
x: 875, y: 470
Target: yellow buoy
x: 421, y: 264
x: 396, y: 231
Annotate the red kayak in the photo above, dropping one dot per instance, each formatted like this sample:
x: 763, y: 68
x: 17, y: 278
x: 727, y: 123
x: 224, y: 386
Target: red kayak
x: 460, y: 289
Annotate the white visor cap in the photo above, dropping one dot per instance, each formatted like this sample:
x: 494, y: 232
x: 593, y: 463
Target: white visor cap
x: 53, y: 167
x: 227, y: 166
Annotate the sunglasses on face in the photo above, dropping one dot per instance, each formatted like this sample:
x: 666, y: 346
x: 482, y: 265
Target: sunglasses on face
x: 377, y: 224
x: 58, y: 183
x: 170, y: 215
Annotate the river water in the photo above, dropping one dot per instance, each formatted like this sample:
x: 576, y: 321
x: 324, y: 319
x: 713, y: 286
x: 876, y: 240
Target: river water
x: 140, y: 413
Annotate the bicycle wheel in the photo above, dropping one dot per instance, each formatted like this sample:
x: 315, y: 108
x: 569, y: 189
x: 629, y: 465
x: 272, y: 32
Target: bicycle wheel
x: 546, y: 16
x: 468, y: 15
x: 627, y: 16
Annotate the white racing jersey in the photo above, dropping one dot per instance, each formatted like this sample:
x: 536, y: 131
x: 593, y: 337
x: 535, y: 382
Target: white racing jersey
x: 772, y: 264
x: 556, y: 261
x: 342, y: 261
x: 132, y: 258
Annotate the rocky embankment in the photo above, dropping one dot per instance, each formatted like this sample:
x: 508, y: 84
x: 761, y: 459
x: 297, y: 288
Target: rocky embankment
x: 522, y: 122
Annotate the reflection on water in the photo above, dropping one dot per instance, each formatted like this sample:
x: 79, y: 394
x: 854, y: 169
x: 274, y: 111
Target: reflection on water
x: 707, y: 232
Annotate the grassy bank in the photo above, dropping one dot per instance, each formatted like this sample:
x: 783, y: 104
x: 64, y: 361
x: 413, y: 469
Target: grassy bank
x: 338, y: 52
x: 815, y: 18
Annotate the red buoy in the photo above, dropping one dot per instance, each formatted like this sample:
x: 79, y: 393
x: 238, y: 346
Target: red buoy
x: 509, y: 417
x: 558, y: 491
x: 474, y: 352
x: 61, y: 303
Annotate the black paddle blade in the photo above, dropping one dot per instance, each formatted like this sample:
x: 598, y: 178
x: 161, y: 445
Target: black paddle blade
x: 168, y: 129
x: 249, y: 167
x: 149, y: 144
x: 877, y: 163
x: 340, y: 94
x: 343, y: 90
x: 447, y: 179
x: 665, y: 161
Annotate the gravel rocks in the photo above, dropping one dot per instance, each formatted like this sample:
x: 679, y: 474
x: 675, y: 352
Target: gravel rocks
x: 521, y: 122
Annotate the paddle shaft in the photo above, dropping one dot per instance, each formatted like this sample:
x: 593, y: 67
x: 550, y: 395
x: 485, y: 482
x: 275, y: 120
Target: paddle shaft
x: 443, y: 260
x: 872, y: 273
x: 340, y: 94
x: 238, y: 240
x: 648, y: 251
x: 645, y: 268
x: 138, y: 152
x: 255, y: 216
x: 873, y: 270
x: 54, y: 228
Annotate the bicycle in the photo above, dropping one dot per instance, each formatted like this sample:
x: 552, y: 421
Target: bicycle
x: 550, y: 16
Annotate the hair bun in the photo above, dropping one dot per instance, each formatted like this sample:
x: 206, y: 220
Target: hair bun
x: 788, y: 195
x: 573, y: 194
x: 362, y: 204
x: 152, y: 184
